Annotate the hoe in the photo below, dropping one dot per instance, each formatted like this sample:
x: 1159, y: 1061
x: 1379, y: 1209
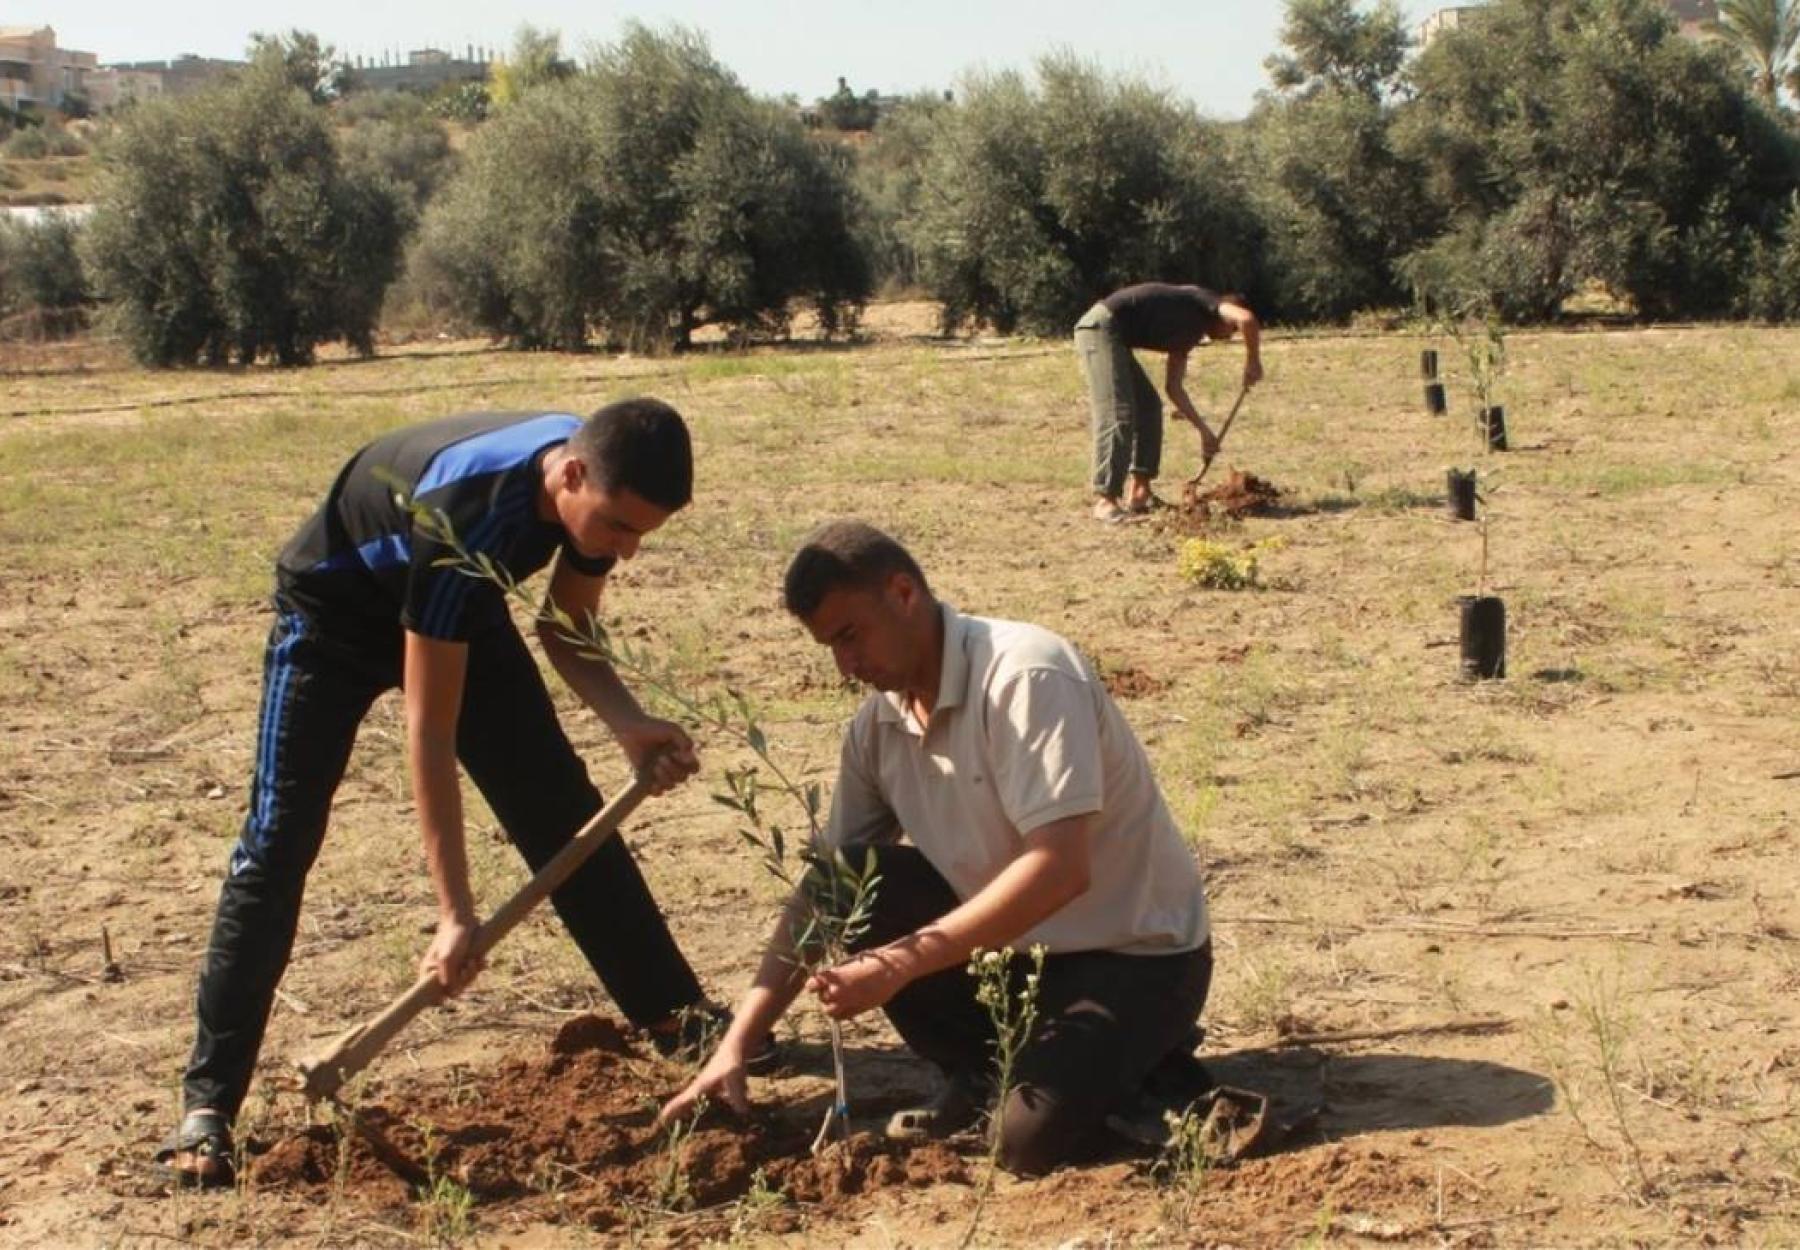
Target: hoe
x: 324, y: 1074
x: 1192, y: 489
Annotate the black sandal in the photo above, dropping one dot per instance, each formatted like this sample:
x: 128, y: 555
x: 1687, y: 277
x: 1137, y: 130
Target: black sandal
x: 206, y: 1135
x: 952, y: 1109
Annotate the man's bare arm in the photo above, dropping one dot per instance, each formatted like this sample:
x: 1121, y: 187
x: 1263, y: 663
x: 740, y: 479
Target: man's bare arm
x: 1251, y: 331
x: 777, y: 984
x: 1174, y: 382
x: 643, y: 738
x: 1052, y: 871
x: 434, y: 673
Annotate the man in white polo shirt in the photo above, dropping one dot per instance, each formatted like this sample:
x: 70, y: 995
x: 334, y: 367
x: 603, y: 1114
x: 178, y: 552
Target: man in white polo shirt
x: 1033, y: 818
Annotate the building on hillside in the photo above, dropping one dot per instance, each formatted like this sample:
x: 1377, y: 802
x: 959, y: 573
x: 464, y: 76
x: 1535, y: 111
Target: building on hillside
x: 184, y: 74
x: 423, y: 69
x: 110, y: 86
x: 1443, y: 20
x: 35, y: 73
x: 1692, y: 17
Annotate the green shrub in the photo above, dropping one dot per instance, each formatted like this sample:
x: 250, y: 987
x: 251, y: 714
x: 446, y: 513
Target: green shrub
x: 1221, y: 566
x: 226, y: 227
x: 1040, y: 197
x: 40, y: 142
x: 640, y: 199
x: 44, y: 290
x: 466, y: 102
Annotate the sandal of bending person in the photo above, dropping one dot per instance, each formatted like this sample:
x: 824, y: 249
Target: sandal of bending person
x: 199, y: 1154
x: 1109, y: 512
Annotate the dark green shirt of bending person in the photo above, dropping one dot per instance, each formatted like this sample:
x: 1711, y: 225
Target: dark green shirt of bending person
x: 1127, y: 413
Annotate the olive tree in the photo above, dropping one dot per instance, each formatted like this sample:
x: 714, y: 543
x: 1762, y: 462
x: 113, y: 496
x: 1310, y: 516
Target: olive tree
x: 640, y: 199
x: 1338, y: 204
x: 44, y: 289
x: 1041, y: 195
x: 1567, y: 141
x: 393, y: 135
x: 226, y: 227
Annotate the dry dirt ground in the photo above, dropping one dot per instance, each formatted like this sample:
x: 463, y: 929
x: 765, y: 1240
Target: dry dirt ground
x: 1588, y: 870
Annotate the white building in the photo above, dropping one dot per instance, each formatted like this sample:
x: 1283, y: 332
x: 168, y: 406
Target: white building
x: 111, y: 85
x: 1693, y: 17
x: 35, y: 73
x: 1441, y: 21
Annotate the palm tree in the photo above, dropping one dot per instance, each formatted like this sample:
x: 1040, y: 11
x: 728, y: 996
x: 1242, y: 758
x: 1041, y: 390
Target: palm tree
x: 1764, y: 33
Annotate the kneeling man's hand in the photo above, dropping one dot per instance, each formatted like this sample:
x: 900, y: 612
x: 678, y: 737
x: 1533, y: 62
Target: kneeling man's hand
x: 858, y: 985
x: 723, y: 1077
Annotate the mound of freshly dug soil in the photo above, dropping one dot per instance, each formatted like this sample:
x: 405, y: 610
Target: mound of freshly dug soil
x: 1239, y: 495
x: 1350, y: 1178
x: 1133, y: 683
x: 571, y: 1134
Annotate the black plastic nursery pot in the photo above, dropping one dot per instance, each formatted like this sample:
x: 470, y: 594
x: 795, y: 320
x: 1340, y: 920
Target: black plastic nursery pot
x: 1428, y: 364
x: 1483, y: 637
x: 1461, y: 494
x: 1493, y: 424
x: 1435, y: 402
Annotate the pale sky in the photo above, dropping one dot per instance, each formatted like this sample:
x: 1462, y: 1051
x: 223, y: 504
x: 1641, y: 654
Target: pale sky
x: 1208, y: 50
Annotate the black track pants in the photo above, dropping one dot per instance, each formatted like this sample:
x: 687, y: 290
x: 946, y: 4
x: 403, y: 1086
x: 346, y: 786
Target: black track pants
x: 316, y: 691
x: 1104, y: 1020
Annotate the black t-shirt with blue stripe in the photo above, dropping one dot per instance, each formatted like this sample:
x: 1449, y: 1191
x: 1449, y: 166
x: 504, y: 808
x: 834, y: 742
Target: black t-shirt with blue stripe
x: 360, y: 563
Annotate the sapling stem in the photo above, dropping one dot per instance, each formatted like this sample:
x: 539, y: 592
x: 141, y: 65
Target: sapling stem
x: 836, y: 900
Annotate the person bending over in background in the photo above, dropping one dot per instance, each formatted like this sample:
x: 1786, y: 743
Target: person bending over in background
x: 1127, y: 415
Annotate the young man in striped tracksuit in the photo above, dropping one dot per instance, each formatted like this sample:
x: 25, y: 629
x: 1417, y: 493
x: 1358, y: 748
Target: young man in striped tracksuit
x: 364, y: 604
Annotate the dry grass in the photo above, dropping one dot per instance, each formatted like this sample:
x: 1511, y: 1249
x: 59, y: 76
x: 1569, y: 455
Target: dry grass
x: 50, y: 180
x: 1385, y: 845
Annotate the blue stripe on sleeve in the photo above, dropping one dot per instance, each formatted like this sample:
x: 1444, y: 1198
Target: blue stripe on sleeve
x: 388, y: 551
x: 495, y: 451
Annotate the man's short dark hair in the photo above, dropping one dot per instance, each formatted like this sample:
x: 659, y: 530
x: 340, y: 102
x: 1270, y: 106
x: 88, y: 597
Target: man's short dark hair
x: 640, y: 445
x: 840, y: 555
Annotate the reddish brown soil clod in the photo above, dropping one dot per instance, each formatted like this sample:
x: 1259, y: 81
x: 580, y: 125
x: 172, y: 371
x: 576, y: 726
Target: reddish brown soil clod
x: 572, y: 1132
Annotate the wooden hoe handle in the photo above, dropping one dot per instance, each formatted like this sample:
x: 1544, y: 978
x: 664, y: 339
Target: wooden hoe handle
x: 325, y: 1073
x: 1206, y: 462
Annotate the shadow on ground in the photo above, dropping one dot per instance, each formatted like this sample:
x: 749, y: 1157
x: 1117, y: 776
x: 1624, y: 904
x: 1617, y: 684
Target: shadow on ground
x: 1356, y: 1094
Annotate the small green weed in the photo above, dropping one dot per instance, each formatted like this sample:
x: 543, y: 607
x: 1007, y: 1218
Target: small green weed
x: 445, y: 1205
x: 753, y: 1213
x: 1180, y: 1171
x: 673, y: 1190
x: 1588, y: 1061
x: 1014, y: 1015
